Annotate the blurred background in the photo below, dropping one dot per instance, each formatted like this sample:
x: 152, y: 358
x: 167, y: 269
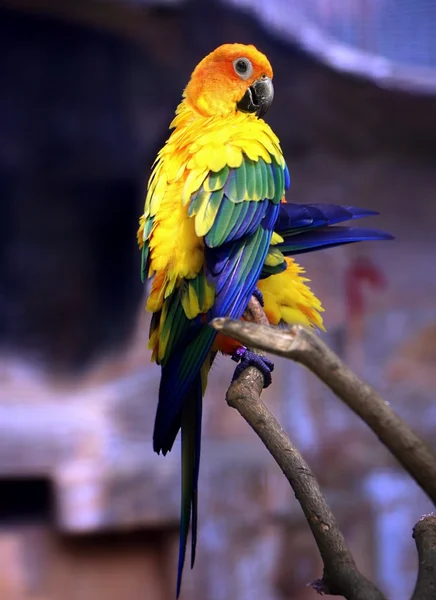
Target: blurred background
x: 87, y: 90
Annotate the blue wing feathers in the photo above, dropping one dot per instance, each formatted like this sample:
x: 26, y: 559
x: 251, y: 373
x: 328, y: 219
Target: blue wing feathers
x: 318, y: 239
x: 287, y: 178
x: 307, y: 227
x: 236, y: 229
x: 270, y: 216
x: 234, y: 271
x: 294, y: 216
x: 251, y: 220
x: 234, y: 221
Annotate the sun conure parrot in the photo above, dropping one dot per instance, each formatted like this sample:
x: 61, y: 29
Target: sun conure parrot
x: 214, y: 198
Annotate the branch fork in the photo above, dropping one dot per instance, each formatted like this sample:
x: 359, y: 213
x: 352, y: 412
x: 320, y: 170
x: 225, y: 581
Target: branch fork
x: 341, y: 576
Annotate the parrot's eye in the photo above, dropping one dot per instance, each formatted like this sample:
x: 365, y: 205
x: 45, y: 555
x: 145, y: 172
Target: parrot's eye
x: 243, y: 67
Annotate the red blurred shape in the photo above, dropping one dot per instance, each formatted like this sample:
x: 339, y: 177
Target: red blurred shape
x: 360, y: 272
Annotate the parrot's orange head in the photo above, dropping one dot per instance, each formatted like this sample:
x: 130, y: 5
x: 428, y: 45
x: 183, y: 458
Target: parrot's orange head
x: 234, y: 77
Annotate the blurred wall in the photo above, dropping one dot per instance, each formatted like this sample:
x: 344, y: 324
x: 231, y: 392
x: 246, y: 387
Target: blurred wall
x: 86, y: 107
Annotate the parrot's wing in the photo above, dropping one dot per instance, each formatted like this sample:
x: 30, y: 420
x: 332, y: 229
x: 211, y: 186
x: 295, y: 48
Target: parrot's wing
x: 326, y: 237
x: 308, y: 227
x: 296, y: 217
x: 238, y: 239
x: 234, y: 210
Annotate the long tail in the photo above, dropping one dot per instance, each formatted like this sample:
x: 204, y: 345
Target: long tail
x: 185, y: 415
x: 191, y: 447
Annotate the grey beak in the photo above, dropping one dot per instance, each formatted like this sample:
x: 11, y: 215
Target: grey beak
x: 258, y: 97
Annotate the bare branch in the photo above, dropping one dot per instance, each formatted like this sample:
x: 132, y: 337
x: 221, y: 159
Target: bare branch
x: 302, y: 346
x: 424, y: 533
x: 341, y: 576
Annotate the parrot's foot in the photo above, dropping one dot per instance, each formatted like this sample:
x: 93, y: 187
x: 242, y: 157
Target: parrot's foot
x: 319, y: 586
x: 259, y: 297
x: 250, y: 359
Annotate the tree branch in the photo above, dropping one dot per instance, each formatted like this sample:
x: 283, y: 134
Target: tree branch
x: 424, y: 533
x: 303, y: 346
x: 341, y: 576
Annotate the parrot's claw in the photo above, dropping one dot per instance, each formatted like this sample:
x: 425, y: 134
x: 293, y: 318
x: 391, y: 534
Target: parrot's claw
x: 246, y: 358
x: 259, y: 296
x: 319, y: 586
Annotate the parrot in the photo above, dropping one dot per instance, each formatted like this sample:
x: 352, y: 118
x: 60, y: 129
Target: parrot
x: 216, y: 229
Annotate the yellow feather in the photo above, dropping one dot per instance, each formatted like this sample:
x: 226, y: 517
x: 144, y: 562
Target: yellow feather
x: 288, y: 299
x: 271, y: 306
x: 255, y: 150
x: 140, y: 233
x: 276, y: 239
x: 273, y: 258
x: 217, y: 160
x: 209, y: 298
x: 170, y: 285
x: 294, y: 316
x: 190, y: 303
x: 233, y: 157
x: 192, y: 184
x: 205, y: 218
x: 155, y: 299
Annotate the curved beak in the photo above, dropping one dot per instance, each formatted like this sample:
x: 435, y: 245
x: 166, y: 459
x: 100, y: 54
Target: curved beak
x: 258, y: 97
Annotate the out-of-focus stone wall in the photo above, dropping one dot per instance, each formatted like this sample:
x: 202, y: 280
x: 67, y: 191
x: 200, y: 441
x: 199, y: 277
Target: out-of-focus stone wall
x: 85, y: 110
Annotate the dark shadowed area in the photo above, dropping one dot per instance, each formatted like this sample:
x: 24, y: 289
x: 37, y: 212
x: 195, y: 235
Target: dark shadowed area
x: 87, y: 90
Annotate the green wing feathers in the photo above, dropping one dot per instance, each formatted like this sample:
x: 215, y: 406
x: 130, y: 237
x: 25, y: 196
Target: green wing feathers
x: 223, y: 205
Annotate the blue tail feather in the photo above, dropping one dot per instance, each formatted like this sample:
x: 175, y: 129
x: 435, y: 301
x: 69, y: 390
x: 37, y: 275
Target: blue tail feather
x: 293, y: 217
x: 328, y: 237
x: 176, y: 381
x: 308, y: 227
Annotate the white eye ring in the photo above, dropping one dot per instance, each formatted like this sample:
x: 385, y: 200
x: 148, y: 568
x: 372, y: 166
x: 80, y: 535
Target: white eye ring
x: 243, y: 67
